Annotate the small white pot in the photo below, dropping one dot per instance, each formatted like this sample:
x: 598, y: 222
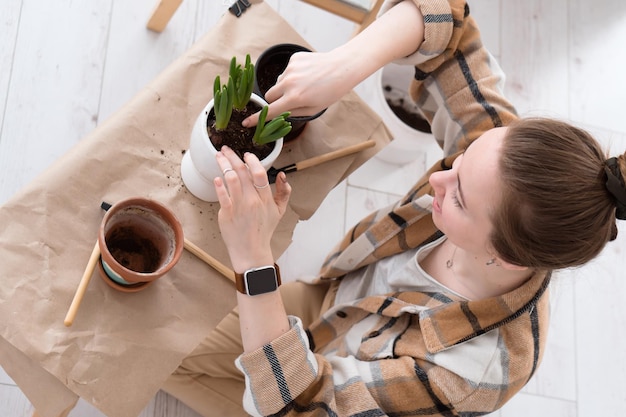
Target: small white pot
x: 408, y: 143
x: 199, y: 167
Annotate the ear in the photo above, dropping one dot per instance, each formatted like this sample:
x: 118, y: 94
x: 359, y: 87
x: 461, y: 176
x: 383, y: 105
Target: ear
x: 509, y: 266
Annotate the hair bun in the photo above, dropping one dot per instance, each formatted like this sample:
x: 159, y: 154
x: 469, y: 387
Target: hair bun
x: 615, y: 186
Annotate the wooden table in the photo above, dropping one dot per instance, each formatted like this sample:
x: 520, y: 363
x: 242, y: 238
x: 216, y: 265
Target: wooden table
x: 121, y: 346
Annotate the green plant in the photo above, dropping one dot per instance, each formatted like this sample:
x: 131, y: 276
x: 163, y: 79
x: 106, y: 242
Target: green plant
x: 222, y: 102
x: 277, y: 128
x: 236, y: 94
x: 243, y: 82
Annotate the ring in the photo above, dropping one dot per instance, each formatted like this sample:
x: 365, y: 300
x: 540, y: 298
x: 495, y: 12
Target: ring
x: 226, y: 171
x: 258, y: 187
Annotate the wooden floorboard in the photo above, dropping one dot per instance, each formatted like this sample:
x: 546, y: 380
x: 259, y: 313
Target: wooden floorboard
x: 67, y: 66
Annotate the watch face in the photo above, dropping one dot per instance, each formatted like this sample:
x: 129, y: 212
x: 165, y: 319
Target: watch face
x: 260, y: 281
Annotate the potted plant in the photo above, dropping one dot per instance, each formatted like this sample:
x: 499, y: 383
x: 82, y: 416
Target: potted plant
x: 140, y: 240
x: 219, y: 124
x: 270, y: 64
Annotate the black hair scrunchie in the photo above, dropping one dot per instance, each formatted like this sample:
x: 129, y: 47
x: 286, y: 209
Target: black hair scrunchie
x: 615, y: 186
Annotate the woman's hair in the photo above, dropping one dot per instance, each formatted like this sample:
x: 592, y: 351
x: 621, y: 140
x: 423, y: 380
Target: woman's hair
x: 557, y: 209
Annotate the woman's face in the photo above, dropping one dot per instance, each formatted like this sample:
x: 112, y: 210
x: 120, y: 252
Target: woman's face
x: 466, y: 195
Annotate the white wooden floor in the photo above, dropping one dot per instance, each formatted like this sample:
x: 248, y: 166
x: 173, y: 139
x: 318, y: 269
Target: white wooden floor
x: 66, y: 66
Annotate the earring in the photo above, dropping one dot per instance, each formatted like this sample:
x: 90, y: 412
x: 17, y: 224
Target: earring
x: 491, y: 261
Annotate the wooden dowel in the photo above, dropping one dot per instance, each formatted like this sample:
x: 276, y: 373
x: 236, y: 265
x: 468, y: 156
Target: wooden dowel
x: 82, y: 286
x: 162, y: 14
x: 93, y: 260
x: 307, y: 163
x: 209, y: 260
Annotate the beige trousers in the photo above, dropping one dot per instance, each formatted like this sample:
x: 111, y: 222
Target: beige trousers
x: 208, y: 381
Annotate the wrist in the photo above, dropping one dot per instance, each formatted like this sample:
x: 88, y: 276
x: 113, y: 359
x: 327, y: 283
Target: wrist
x: 353, y: 65
x: 242, y: 264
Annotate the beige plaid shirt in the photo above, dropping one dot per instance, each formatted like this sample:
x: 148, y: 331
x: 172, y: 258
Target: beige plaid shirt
x: 429, y: 354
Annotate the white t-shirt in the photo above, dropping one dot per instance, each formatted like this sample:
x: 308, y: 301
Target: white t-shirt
x: 401, y: 272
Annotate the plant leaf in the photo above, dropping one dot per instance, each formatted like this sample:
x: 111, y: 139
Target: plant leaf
x: 260, y: 124
x: 277, y: 128
x: 217, y: 85
x: 223, y: 105
x: 276, y: 135
x: 243, y: 81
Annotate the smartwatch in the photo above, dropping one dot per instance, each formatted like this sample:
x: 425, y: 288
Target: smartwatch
x: 257, y: 281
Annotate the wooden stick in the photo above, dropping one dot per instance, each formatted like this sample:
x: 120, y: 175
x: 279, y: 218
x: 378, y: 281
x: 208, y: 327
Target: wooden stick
x: 82, y: 286
x: 93, y: 260
x: 162, y: 14
x: 316, y: 160
x: 209, y: 260
x: 345, y: 9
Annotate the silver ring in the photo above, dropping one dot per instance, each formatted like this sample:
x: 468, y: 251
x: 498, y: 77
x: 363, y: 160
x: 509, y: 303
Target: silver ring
x: 226, y: 171
x: 258, y: 187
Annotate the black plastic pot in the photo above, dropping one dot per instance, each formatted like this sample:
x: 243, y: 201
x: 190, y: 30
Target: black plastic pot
x: 271, y: 63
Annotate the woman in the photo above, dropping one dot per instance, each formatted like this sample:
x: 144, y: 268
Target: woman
x: 440, y: 303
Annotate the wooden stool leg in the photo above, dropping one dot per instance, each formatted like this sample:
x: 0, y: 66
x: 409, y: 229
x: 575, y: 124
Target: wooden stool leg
x: 162, y: 14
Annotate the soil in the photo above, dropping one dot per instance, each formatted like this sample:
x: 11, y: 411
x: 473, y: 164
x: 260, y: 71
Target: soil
x: 414, y: 120
x: 133, y: 250
x: 402, y: 106
x: 266, y: 77
x: 237, y: 137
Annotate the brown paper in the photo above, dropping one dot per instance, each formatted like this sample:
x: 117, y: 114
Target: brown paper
x: 122, y: 347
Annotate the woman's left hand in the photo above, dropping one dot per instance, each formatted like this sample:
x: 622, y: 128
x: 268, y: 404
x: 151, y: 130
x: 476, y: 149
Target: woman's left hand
x: 249, y: 211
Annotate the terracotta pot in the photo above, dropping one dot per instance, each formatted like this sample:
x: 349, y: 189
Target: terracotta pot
x: 271, y: 63
x: 140, y: 241
x: 199, y: 167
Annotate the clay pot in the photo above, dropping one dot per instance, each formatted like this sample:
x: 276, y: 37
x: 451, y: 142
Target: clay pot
x: 199, y: 166
x: 271, y: 63
x: 140, y: 241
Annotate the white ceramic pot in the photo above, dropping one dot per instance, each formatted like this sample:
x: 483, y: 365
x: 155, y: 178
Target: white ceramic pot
x: 199, y: 167
x: 408, y: 143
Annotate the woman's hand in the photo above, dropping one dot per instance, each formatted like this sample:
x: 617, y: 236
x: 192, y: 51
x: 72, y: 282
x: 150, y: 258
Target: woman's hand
x: 249, y: 212
x: 248, y: 216
x: 311, y: 82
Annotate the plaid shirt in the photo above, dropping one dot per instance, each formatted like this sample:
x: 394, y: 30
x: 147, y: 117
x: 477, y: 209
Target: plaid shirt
x: 429, y: 354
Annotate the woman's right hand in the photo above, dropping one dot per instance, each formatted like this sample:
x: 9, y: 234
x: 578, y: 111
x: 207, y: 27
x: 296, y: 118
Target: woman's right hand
x: 311, y: 82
